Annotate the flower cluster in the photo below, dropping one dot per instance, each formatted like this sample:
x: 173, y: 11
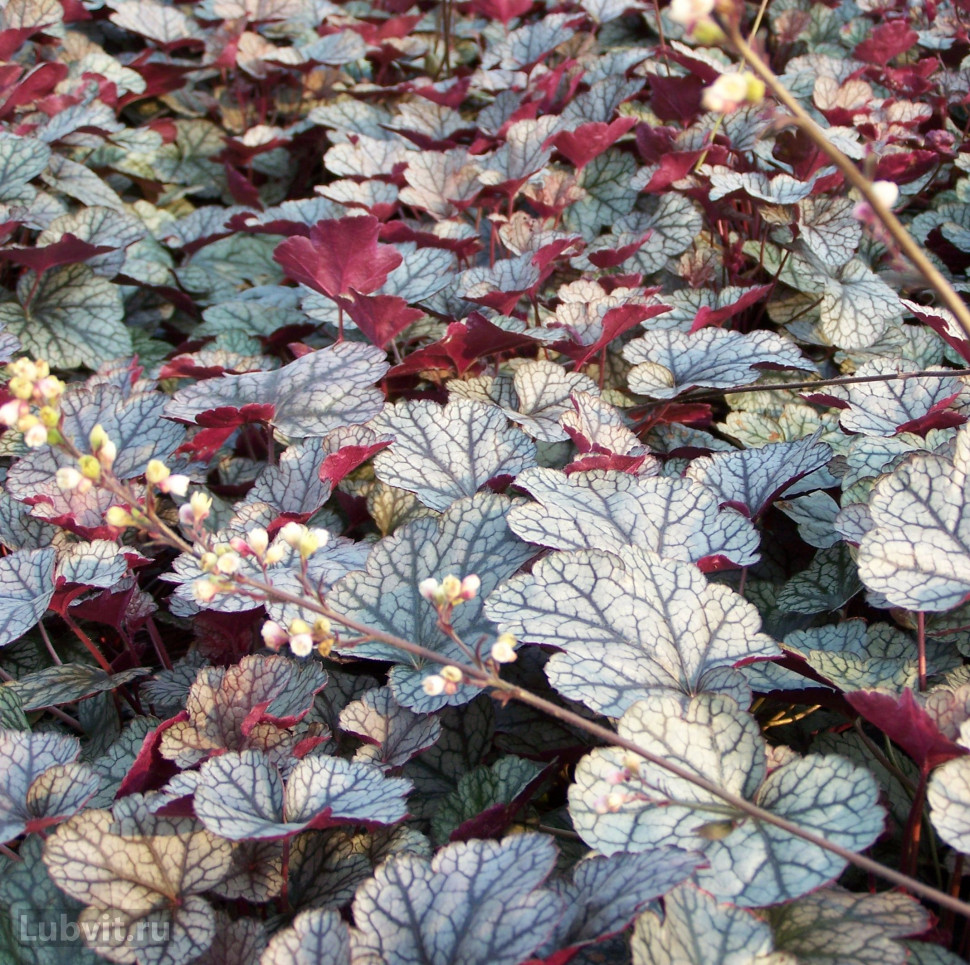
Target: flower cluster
x: 450, y: 591
x: 301, y: 637
x: 446, y: 681
x: 33, y: 410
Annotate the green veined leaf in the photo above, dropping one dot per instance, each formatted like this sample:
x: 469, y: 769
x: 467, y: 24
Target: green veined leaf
x: 26, y: 587
x: 696, y: 930
x: 471, y: 537
x: 316, y: 937
x: 72, y: 318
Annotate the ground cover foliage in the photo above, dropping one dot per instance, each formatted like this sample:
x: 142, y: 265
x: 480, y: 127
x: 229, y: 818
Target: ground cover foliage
x: 482, y: 487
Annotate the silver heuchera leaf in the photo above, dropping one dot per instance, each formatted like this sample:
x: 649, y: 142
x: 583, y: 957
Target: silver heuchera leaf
x: 67, y: 683
x: 751, y: 478
x: 442, y: 453
x: 832, y: 926
x: 883, y: 408
x: 317, y: 936
x: 392, y: 734
x: 856, y: 307
x: 21, y: 160
x: 750, y: 863
x: 629, y: 625
x: 696, y: 930
x: 780, y: 189
x: 98, y: 563
x: 241, y: 796
x: 310, y: 397
x: 607, y: 510
x: 26, y: 587
x: 479, y: 901
x: 667, y: 363
x: 828, y: 228
x: 126, y: 870
x: 605, y: 893
x: 948, y: 795
x: 34, y: 902
x: 535, y: 395
x: 917, y: 555
x: 472, y: 537
x: 598, y: 427
x: 39, y: 781
x: 72, y: 318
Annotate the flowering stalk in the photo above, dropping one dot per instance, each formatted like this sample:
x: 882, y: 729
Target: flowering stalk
x: 444, y: 596
x: 875, y: 196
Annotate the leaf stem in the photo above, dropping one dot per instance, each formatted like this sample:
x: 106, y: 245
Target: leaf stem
x: 821, y: 383
x: 921, y: 648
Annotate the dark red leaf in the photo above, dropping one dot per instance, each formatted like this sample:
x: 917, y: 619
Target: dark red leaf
x: 590, y: 140
x: 339, y: 464
x: 380, y: 317
x: 886, y: 41
x: 504, y: 10
x: 903, y: 721
x: 38, y: 83
x: 463, y: 345
x: 707, y: 317
x: 151, y: 771
x: 940, y: 416
x: 68, y: 250
x: 340, y: 256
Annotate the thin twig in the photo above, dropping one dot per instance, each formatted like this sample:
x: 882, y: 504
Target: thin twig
x: 907, y: 244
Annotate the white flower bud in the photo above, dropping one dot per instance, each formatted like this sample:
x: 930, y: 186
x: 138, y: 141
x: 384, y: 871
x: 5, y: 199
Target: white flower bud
x: 204, y: 591
x: 176, y: 484
x: 451, y: 674
x: 156, y: 471
x: 503, y: 650
x: 470, y: 586
x: 689, y: 12
x: 726, y: 94
x: 228, y: 563
x: 886, y: 192
x: 428, y: 588
x: 433, y: 686
x: 10, y: 412
x: 67, y: 478
x: 274, y: 636
x: 258, y: 540
x: 35, y: 436
x: 292, y: 533
x: 275, y: 553
x: 107, y: 454
x: 301, y: 644
x: 451, y: 588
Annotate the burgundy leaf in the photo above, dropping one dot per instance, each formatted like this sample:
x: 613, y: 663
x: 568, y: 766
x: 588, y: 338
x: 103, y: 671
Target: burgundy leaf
x: 381, y: 317
x: 886, y: 41
x: 340, y: 256
x: 68, y: 250
x: 902, y: 720
x: 590, y: 140
x: 706, y: 316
